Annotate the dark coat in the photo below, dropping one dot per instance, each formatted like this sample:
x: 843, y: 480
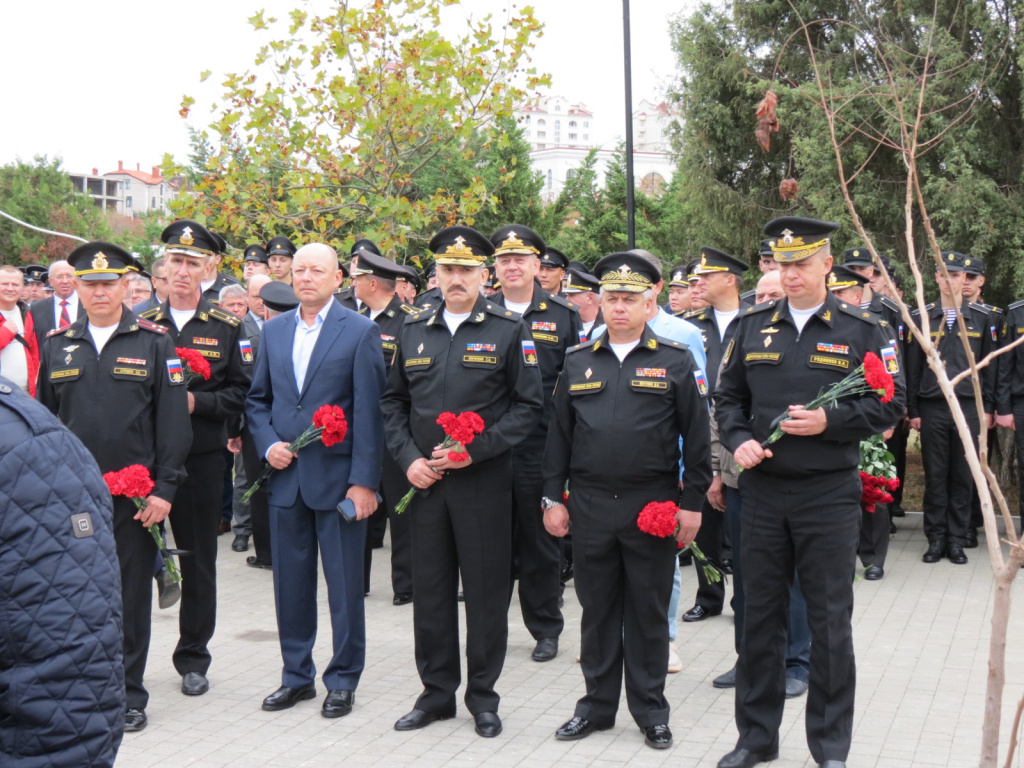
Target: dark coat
x: 61, y: 675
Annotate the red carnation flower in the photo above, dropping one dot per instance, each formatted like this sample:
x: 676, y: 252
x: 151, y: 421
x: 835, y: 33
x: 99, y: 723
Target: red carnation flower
x: 658, y: 519
x: 195, y: 365
x: 331, y: 420
x: 457, y: 457
x: 877, y: 377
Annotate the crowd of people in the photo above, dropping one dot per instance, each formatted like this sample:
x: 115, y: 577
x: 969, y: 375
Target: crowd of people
x: 588, y: 403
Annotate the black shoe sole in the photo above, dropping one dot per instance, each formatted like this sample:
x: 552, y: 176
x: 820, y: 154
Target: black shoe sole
x: 304, y: 696
x: 330, y: 715
x: 583, y: 734
x: 431, y: 721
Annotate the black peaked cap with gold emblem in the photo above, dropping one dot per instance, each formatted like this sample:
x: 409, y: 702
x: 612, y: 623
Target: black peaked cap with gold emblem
x: 280, y: 246
x: 858, y: 257
x: 409, y: 275
x: 554, y: 258
x: 974, y: 266
x: 256, y: 252
x: 765, y: 249
x: 679, y: 275
x: 626, y: 272
x: 580, y: 280
x: 461, y: 246
x: 364, y: 244
x: 954, y: 261
x: 713, y: 260
x: 691, y: 271
x: 35, y: 273
x: 190, y: 238
x: 279, y: 296
x: 842, y: 277
x: 517, y: 239
x: 100, y: 261
x: 797, y: 238
x: 375, y: 265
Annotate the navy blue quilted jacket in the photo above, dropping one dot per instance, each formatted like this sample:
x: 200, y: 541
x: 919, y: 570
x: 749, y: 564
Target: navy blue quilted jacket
x: 61, y: 674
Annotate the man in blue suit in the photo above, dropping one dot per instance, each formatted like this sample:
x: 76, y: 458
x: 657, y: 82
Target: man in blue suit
x: 320, y: 353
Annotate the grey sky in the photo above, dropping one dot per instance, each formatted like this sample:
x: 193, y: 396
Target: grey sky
x: 100, y: 82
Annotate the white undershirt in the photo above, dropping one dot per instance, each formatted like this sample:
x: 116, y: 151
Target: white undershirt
x: 14, y: 357
x: 723, y: 319
x: 205, y: 285
x: 801, y: 316
x: 375, y: 313
x: 181, y: 316
x: 515, y: 306
x: 621, y: 350
x: 588, y: 326
x: 101, y: 336
x: 454, y: 320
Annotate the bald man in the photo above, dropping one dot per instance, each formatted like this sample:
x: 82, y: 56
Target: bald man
x: 318, y: 354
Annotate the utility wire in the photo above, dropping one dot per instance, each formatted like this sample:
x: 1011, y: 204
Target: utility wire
x: 44, y: 231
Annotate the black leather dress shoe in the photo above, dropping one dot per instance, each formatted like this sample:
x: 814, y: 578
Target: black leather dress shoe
x: 936, y: 551
x: 699, y: 613
x: 546, y: 650
x: 241, y: 543
x: 418, y: 718
x: 338, y: 703
x: 895, y: 510
x: 658, y: 736
x: 254, y: 562
x: 566, y: 575
x: 833, y: 764
x: 578, y: 728
x: 194, y: 684
x: 874, y: 573
x: 286, y: 698
x: 402, y: 598
x: 955, y: 553
x: 795, y: 687
x: 135, y: 719
x: 488, y: 724
x: 972, y: 538
x: 744, y: 758
x: 725, y: 680
x: 224, y: 527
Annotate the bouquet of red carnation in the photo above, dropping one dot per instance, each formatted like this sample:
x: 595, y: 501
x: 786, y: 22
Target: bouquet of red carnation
x: 193, y: 363
x: 135, y: 483
x: 869, y: 376
x: 459, y: 432
x: 659, y: 519
x: 329, y: 426
x: 877, y: 473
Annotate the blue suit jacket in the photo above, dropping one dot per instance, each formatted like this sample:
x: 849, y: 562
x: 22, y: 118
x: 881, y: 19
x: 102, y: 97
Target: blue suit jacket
x: 346, y: 369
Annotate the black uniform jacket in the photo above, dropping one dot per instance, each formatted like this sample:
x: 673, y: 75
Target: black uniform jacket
x: 616, y: 426
x: 770, y: 366
x: 1010, y: 380
x: 391, y: 319
x: 122, y: 403
x: 212, y: 294
x: 714, y: 344
x: 921, y: 381
x: 555, y: 326
x: 217, y: 336
x: 488, y: 366
x: 430, y: 298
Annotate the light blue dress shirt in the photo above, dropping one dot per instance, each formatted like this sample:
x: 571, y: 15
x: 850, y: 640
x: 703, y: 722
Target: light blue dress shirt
x: 305, y: 340
x: 674, y: 329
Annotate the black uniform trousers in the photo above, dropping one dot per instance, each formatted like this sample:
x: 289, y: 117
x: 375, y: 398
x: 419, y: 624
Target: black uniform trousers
x: 897, y: 446
x: 1017, y: 408
x: 808, y: 525
x: 874, y: 536
x: 136, y: 551
x: 710, y: 539
x: 535, y: 551
x: 259, y: 505
x: 195, y: 517
x: 948, y: 483
x: 624, y: 584
x: 463, y: 525
x: 977, y: 519
x: 393, y: 485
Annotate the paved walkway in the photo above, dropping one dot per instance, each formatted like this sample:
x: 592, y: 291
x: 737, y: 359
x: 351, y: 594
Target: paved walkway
x: 921, y: 636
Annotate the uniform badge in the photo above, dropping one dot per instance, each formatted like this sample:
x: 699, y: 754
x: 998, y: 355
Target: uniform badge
x: 995, y: 332
x: 479, y: 346
x: 175, y: 372
x: 583, y: 335
x: 588, y: 373
x: 702, y: 381
x: 131, y: 360
x: 835, y: 349
x: 891, y: 359
x: 543, y: 326
x: 246, y: 347
x: 728, y: 352
x: 656, y: 373
x: 901, y: 331
x: 529, y: 353
x: 419, y: 350
x: 203, y: 341
x: 767, y: 341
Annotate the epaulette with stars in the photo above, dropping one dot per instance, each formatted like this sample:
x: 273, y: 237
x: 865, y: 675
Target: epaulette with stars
x: 409, y: 310
x: 697, y: 314
x: 224, y: 317
x: 556, y: 298
x: 861, y: 314
x: 57, y: 331
x: 760, y: 307
x: 584, y: 345
x: 149, y: 314
x: 927, y: 308
x: 889, y: 303
x: 989, y: 308
x: 497, y: 311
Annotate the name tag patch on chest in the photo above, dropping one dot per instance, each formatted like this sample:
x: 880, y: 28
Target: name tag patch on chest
x: 418, y: 362
x: 832, y: 362
x: 137, y: 372
x: 480, y: 346
x: 212, y: 353
x: 645, y: 384
x: 203, y: 341
x: 487, y: 359
x: 65, y: 374
x: 586, y: 386
x: 544, y: 326
x: 762, y: 357
x: 651, y: 373
x: 834, y: 349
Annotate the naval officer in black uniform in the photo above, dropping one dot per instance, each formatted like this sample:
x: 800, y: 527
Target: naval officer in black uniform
x: 468, y: 354
x: 622, y: 403
x: 801, y: 495
x: 109, y: 378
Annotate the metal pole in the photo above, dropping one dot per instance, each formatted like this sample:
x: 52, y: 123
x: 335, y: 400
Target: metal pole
x: 630, y: 219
